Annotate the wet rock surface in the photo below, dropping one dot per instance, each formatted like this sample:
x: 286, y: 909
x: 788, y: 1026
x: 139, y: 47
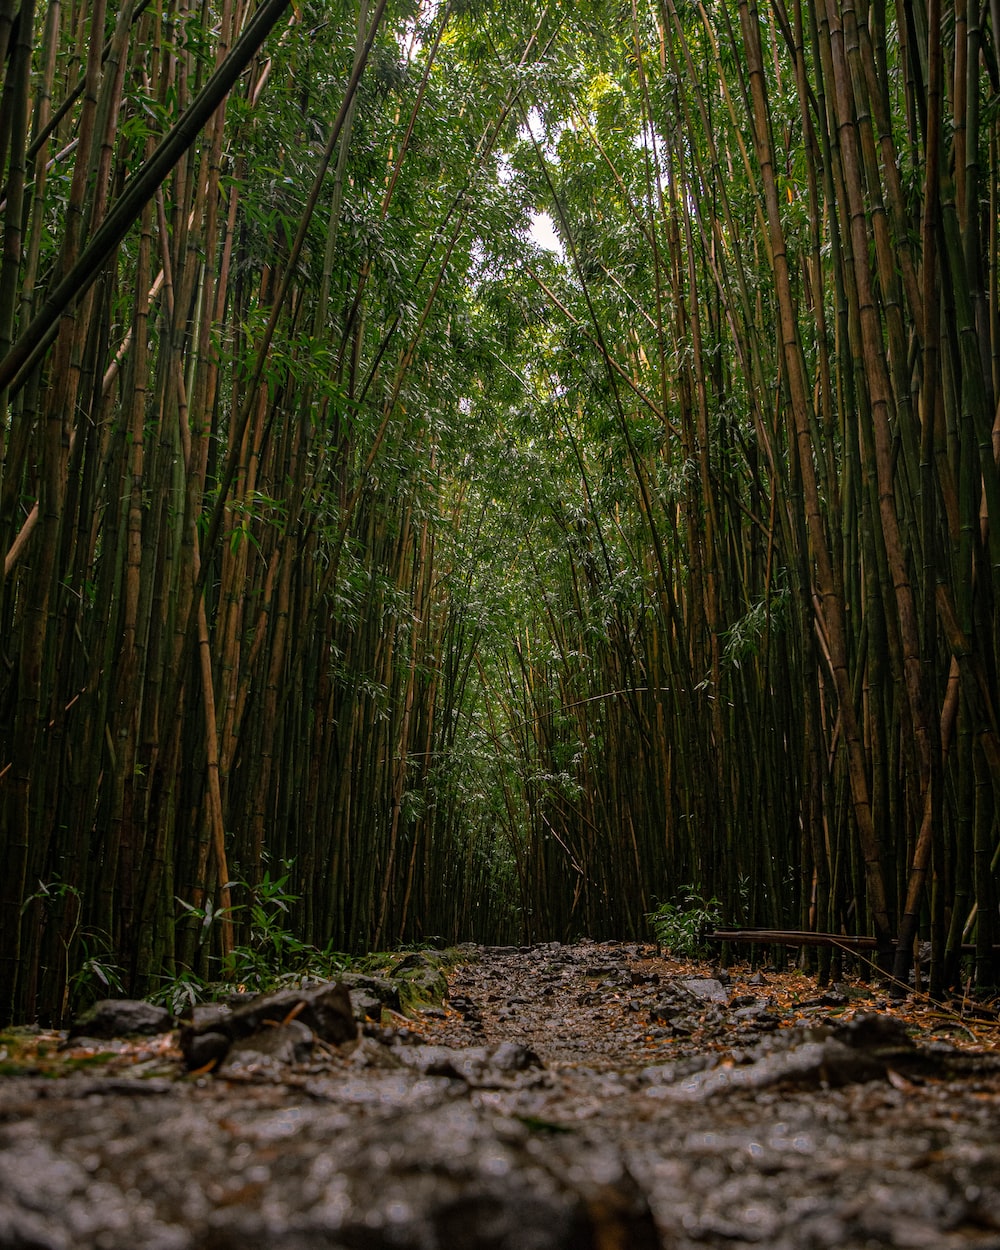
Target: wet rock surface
x: 285, y: 1025
x: 587, y: 1097
x: 120, y: 1018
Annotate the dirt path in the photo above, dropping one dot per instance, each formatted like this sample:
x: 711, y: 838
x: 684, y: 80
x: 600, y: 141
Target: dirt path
x: 810, y: 1145
x: 592, y: 1097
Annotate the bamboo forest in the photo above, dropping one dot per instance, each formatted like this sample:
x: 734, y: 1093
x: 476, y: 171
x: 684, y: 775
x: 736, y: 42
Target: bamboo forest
x: 478, y: 471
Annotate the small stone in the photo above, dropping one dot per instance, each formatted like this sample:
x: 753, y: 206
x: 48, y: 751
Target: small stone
x: 664, y: 1011
x: 203, y: 1049
x: 708, y: 989
x: 832, y: 998
x: 758, y: 978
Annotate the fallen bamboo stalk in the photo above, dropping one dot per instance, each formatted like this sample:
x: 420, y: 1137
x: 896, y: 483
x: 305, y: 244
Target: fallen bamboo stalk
x: 802, y: 937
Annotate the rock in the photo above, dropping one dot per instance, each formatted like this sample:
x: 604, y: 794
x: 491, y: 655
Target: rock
x: 365, y: 1006
x: 418, y: 980
x: 113, y: 1017
x: 375, y: 1053
x: 204, y: 1015
x: 665, y: 1011
x: 481, y: 1067
x: 328, y: 1013
x: 202, y: 1049
x: 864, y: 1049
x: 833, y: 998
x: 811, y: 1065
x: 750, y: 1013
x: 370, y: 994
x: 455, y: 1184
x: 417, y: 961
x: 870, y: 1031
x: 708, y: 989
x: 758, y: 978
x: 325, y: 1010
x: 284, y: 1044
x: 513, y: 1057
x: 286, y: 1173
x: 784, y: 1148
x: 668, y: 1073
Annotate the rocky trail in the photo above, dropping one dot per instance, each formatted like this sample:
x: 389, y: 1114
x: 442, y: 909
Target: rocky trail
x: 584, y: 1097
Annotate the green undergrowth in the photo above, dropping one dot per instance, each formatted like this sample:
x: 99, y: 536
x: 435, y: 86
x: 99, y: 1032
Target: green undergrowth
x: 36, y: 1052
x: 271, y: 957
x: 418, y: 975
x: 681, y: 924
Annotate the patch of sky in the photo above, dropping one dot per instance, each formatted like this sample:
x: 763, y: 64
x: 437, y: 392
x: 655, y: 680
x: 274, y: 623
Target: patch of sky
x: 541, y: 227
x: 542, y: 233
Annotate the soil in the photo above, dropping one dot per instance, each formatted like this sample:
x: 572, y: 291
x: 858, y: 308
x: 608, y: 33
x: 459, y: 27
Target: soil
x: 584, y: 1097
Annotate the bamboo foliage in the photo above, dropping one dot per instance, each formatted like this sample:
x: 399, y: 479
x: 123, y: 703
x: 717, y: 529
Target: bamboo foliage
x: 477, y: 590
x: 831, y: 260
x: 206, y: 587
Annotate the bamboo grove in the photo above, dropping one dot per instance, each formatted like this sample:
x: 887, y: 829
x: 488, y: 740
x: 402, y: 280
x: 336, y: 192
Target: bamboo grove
x: 477, y: 587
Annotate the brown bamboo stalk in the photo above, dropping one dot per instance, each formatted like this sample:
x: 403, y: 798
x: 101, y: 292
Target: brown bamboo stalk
x: 831, y: 603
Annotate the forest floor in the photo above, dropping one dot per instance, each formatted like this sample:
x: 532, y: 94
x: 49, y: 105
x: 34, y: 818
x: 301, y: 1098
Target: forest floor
x: 588, y: 1097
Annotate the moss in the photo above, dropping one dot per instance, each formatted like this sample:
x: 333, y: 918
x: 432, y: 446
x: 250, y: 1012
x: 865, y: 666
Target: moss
x: 419, y: 975
x: 30, y: 1052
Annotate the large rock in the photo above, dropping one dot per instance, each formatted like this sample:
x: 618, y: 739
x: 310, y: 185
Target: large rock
x: 325, y: 1010
x: 867, y: 1048
x: 120, y: 1017
x: 420, y: 978
x: 269, y: 1047
x: 370, y: 994
x: 201, y: 1172
x: 483, y: 1067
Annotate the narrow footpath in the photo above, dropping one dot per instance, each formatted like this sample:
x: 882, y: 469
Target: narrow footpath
x: 588, y: 1097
